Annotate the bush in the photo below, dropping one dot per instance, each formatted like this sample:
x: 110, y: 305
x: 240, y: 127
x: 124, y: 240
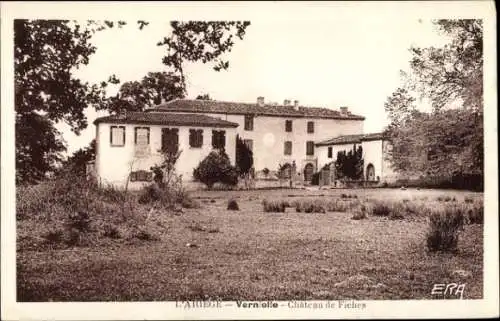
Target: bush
x: 216, y: 168
x: 232, y: 205
x: 336, y: 205
x: 308, y: 206
x: 360, y: 214
x: 475, y: 215
x: 274, y: 206
x: 444, y: 226
x: 381, y: 208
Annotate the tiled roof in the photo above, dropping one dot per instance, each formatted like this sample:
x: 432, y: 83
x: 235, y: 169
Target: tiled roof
x: 223, y: 107
x: 166, y: 119
x: 351, y: 139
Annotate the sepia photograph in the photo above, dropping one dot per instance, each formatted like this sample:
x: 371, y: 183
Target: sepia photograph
x: 239, y: 160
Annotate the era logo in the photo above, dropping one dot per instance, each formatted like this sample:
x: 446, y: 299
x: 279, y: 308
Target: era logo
x: 451, y: 289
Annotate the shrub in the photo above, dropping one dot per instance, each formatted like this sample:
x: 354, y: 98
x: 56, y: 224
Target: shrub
x: 444, y: 226
x: 308, y: 206
x: 336, y: 205
x: 274, y: 206
x: 266, y: 171
x: 360, y: 214
x: 381, y: 208
x: 79, y: 221
x: 150, y: 194
x: 475, y: 215
x: 397, y: 211
x: 232, y: 205
x: 216, y: 168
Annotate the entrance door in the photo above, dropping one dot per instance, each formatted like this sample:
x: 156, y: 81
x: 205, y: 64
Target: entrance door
x: 170, y: 140
x: 370, y: 172
x: 308, y: 172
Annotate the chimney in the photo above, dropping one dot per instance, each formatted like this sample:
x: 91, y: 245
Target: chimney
x: 260, y: 101
x: 286, y: 102
x: 296, y: 104
x: 343, y: 110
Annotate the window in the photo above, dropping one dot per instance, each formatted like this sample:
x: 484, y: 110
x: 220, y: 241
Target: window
x: 249, y: 143
x: 141, y: 176
x: 141, y: 135
x: 309, y: 148
x: 310, y: 127
x: 218, y: 139
x: 248, y: 122
x: 288, y: 148
x: 117, y: 136
x: 170, y: 140
x: 330, y: 152
x: 288, y: 125
x: 196, y: 138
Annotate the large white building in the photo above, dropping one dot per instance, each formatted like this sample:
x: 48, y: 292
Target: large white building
x: 129, y: 144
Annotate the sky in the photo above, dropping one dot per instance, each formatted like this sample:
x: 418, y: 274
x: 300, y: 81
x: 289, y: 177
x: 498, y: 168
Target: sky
x: 323, y: 63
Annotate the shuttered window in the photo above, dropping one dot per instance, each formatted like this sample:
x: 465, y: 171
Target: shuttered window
x: 117, y: 136
x: 288, y: 125
x: 196, y: 138
x: 248, y: 122
x: 218, y: 139
x: 288, y: 148
x: 309, y: 148
x: 141, y: 135
x: 330, y: 152
x: 310, y: 127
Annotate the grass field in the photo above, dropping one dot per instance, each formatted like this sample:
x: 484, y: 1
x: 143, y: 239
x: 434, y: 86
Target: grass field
x: 210, y: 252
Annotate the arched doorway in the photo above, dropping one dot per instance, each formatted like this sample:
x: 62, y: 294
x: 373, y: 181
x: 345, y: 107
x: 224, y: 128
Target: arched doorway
x: 370, y: 172
x: 308, y: 172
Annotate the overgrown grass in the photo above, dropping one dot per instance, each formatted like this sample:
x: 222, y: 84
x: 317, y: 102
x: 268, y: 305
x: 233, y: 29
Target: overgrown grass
x: 277, y: 206
x: 444, y: 227
x: 71, y: 211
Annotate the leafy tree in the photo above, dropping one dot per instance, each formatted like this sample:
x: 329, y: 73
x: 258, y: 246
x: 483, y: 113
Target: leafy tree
x: 448, y: 140
x: 205, y: 41
x: 350, y: 164
x: 203, y: 97
x: 77, y: 162
x: 244, y: 157
x: 153, y: 89
x: 216, y: 168
x: 47, y: 52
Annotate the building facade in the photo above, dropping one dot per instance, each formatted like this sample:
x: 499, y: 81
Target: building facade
x: 277, y: 134
x: 376, y: 163
x: 282, y: 138
x: 128, y: 145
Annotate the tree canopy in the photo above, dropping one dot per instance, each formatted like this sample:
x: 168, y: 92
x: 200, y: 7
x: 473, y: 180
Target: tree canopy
x: 46, y: 54
x: 448, y: 140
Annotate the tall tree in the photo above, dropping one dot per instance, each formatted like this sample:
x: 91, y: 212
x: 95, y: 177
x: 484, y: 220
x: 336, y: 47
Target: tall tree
x: 46, y: 54
x: 244, y: 157
x: 153, y: 89
x: 449, y: 139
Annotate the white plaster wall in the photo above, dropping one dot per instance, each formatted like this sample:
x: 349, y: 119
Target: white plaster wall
x: 374, y: 152
x: 269, y: 137
x: 113, y: 164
